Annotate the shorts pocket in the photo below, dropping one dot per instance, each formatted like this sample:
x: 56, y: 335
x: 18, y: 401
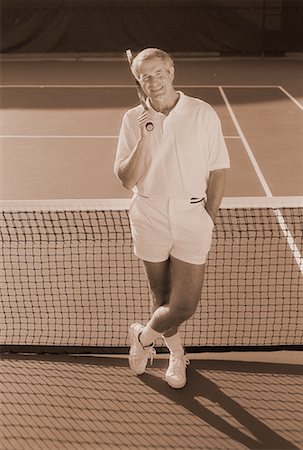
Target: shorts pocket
x: 210, y: 220
x: 132, y: 202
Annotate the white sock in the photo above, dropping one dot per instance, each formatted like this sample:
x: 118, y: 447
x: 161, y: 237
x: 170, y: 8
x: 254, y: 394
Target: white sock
x: 148, y: 336
x: 173, y: 343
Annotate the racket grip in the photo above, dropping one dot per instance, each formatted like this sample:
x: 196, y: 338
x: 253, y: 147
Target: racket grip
x: 149, y: 126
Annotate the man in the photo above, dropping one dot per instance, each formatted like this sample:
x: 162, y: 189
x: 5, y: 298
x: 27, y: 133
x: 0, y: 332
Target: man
x: 177, y: 174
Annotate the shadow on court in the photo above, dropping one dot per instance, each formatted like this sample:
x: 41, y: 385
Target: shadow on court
x: 107, y: 98
x: 222, y: 394
x: 200, y: 386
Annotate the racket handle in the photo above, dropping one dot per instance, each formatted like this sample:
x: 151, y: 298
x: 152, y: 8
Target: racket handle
x: 149, y: 126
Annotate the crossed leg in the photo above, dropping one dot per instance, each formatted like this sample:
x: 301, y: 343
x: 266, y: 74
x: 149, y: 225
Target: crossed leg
x: 176, y: 290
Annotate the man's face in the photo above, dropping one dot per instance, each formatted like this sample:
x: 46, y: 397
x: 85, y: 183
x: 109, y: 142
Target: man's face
x: 156, y: 77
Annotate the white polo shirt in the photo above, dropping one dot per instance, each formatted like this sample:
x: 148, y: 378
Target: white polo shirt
x: 184, y: 147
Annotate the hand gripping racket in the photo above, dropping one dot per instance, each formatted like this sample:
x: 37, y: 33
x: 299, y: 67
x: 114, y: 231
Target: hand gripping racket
x: 142, y: 97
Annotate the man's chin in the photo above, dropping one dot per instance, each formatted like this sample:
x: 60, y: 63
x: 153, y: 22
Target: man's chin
x: 157, y: 95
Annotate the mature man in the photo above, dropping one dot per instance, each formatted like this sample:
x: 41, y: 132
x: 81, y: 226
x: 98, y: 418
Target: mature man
x: 177, y: 174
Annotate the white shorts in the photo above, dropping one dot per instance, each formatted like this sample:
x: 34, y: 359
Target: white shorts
x: 176, y: 227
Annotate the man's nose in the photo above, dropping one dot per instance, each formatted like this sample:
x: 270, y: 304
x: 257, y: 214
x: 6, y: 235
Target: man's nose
x: 154, y: 80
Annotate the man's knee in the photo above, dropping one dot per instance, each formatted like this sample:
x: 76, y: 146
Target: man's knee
x: 183, y: 312
x: 160, y: 292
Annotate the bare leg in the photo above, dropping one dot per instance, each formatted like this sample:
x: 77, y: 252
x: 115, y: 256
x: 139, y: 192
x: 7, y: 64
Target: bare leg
x: 176, y: 287
x: 160, y: 281
x: 186, y: 282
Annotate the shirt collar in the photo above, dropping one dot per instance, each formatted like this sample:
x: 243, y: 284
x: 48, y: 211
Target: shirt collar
x: 178, y: 108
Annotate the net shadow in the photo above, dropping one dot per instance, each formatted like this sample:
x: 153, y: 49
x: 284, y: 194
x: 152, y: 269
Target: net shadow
x: 259, y: 436
x: 98, y: 403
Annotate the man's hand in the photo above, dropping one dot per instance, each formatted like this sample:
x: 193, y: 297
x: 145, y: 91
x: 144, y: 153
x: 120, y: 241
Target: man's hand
x: 144, y: 119
x: 215, y: 191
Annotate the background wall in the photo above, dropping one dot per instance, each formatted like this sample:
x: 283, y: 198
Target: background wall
x: 228, y: 27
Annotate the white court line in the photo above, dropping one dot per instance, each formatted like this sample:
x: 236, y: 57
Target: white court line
x: 296, y: 102
x: 66, y: 86
x: 80, y: 136
x: 246, y: 145
x: 127, y: 86
x: 56, y: 136
x: 118, y: 203
x: 233, y: 86
x: 290, y: 240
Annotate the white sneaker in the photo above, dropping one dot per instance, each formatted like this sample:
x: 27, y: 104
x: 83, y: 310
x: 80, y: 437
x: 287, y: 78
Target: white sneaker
x: 138, y: 355
x: 176, y: 373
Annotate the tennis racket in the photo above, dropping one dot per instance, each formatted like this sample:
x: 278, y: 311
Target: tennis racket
x: 142, y: 97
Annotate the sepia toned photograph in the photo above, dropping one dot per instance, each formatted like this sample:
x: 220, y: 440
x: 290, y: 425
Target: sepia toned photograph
x: 151, y: 224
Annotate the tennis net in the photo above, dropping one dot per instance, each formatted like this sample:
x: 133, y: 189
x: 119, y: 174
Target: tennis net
x: 69, y: 281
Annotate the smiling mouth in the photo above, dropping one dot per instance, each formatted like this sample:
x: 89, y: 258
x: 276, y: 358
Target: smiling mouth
x: 158, y: 90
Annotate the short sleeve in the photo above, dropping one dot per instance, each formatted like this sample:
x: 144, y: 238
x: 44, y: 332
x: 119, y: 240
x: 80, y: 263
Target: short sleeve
x: 217, y: 150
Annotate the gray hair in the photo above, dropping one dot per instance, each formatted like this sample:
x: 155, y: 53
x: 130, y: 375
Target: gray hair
x: 151, y: 53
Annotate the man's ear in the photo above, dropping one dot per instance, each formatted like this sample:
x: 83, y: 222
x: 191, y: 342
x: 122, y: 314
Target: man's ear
x: 172, y: 72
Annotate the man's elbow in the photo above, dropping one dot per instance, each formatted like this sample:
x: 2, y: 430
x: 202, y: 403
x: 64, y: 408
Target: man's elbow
x: 219, y: 172
x: 127, y: 185
x: 125, y: 181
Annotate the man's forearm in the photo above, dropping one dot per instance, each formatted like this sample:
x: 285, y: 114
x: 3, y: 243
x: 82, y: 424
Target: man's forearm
x: 132, y: 169
x: 215, y: 190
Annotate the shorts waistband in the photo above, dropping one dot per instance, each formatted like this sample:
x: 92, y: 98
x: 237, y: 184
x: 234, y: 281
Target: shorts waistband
x: 189, y: 199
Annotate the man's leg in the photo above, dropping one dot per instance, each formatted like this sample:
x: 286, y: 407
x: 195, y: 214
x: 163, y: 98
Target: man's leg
x: 187, y: 281
x: 160, y: 281
x: 182, y: 283
x: 159, y: 276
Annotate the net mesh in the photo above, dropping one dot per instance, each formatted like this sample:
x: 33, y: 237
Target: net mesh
x: 69, y: 278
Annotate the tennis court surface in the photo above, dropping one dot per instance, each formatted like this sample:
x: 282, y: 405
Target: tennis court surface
x: 70, y: 282
x: 96, y: 403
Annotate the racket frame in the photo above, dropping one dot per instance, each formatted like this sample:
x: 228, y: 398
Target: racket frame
x: 141, y: 95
